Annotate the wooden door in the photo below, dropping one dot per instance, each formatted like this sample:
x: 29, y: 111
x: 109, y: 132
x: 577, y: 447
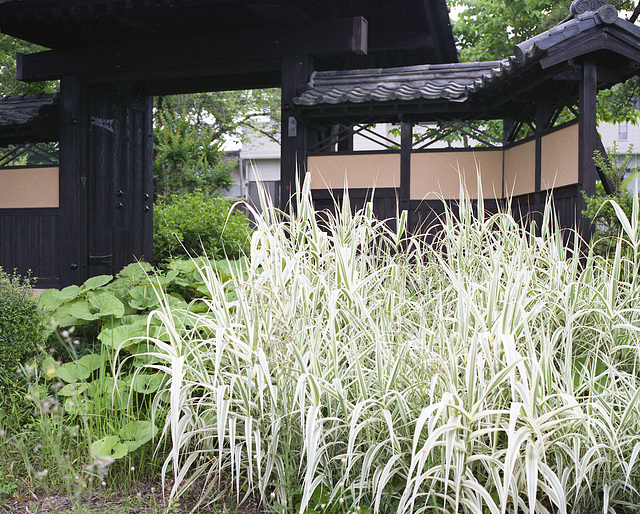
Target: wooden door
x: 120, y: 203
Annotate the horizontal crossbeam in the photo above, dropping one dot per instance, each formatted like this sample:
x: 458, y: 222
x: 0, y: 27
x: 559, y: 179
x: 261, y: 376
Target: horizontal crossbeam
x: 196, y: 56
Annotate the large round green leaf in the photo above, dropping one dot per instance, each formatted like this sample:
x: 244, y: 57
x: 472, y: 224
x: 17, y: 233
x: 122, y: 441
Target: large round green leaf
x: 147, y: 384
x: 79, y: 370
x: 51, y: 299
x: 96, y: 282
x: 143, y: 297
x: 99, y: 304
x: 123, y: 336
x: 74, y: 389
x: 108, y: 447
x: 136, y: 433
x: 76, y: 405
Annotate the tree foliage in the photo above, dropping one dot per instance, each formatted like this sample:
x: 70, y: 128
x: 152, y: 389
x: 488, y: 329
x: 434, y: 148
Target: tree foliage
x: 599, y: 207
x: 188, y: 156
x: 489, y: 29
x: 190, y: 132
x: 9, y: 84
x: 230, y: 114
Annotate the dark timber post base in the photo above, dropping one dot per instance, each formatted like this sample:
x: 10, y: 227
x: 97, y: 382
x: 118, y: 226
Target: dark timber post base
x: 73, y: 181
x: 293, y: 160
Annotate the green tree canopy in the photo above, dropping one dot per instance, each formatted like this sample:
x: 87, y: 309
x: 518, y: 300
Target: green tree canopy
x: 489, y: 29
x: 9, y: 84
x: 190, y: 132
x: 230, y: 114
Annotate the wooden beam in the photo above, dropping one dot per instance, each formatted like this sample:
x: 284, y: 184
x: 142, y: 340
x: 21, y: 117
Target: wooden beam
x: 438, y: 24
x: 293, y: 149
x: 280, y: 12
x: 540, y: 125
x: 618, y: 43
x: 74, y: 163
x: 406, y: 144
x: 161, y: 86
x: 587, y: 143
x: 606, y: 182
x: 196, y: 55
x: 400, y: 41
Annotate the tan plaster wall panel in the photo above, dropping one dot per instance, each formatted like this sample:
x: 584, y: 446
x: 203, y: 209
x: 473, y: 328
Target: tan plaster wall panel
x: 356, y: 171
x: 560, y: 158
x: 520, y: 169
x: 29, y: 188
x: 440, y: 173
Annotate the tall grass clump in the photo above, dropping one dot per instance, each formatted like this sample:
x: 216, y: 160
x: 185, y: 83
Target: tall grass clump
x: 351, y: 367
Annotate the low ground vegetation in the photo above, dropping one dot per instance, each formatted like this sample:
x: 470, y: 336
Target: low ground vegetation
x: 344, y: 366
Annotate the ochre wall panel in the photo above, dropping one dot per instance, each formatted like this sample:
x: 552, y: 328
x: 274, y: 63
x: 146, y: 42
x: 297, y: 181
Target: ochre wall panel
x: 31, y: 188
x: 560, y: 158
x: 440, y: 173
x: 520, y: 169
x: 356, y: 171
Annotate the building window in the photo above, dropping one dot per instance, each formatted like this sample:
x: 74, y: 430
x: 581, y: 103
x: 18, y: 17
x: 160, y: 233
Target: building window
x: 622, y: 130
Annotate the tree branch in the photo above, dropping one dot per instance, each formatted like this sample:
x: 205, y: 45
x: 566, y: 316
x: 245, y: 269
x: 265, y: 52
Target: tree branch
x: 636, y: 13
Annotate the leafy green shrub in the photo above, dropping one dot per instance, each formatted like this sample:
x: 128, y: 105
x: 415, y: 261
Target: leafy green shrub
x: 21, y: 328
x: 599, y: 207
x: 107, y: 319
x: 193, y: 223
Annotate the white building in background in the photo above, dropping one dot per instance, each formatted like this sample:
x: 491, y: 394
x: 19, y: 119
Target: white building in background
x: 625, y: 136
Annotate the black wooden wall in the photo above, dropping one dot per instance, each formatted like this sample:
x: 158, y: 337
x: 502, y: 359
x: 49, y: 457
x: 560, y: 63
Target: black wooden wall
x: 30, y: 242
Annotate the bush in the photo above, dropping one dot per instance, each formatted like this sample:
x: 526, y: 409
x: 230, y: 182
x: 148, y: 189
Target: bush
x: 21, y: 325
x: 190, y: 224
x: 599, y: 207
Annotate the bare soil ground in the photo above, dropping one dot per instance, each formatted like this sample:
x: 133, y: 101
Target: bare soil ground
x: 147, y: 500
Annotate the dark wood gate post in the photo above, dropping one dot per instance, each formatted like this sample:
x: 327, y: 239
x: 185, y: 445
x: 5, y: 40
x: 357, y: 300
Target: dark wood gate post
x: 406, y: 142
x: 293, y: 159
x: 587, y: 143
x: 73, y: 181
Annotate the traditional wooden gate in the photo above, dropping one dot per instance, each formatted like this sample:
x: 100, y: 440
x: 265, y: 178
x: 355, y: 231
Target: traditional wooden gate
x: 120, y: 182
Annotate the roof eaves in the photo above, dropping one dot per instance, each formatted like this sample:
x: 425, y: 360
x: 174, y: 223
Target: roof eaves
x: 21, y: 110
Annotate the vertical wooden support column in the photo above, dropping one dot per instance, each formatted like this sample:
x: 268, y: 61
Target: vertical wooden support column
x: 538, y: 204
x: 73, y: 181
x: 147, y: 182
x: 540, y: 126
x: 406, y: 142
x: 346, y: 145
x: 587, y: 143
x: 508, y: 127
x: 293, y: 159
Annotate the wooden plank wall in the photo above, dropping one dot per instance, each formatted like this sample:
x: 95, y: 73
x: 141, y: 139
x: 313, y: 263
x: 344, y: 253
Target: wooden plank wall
x: 30, y: 239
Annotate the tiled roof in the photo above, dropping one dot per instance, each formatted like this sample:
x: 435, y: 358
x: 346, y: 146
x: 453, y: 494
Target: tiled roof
x: 21, y: 110
x: 453, y: 82
x: 430, y: 81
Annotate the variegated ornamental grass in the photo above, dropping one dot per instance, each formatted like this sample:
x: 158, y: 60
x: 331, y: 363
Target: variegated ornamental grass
x: 496, y: 372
